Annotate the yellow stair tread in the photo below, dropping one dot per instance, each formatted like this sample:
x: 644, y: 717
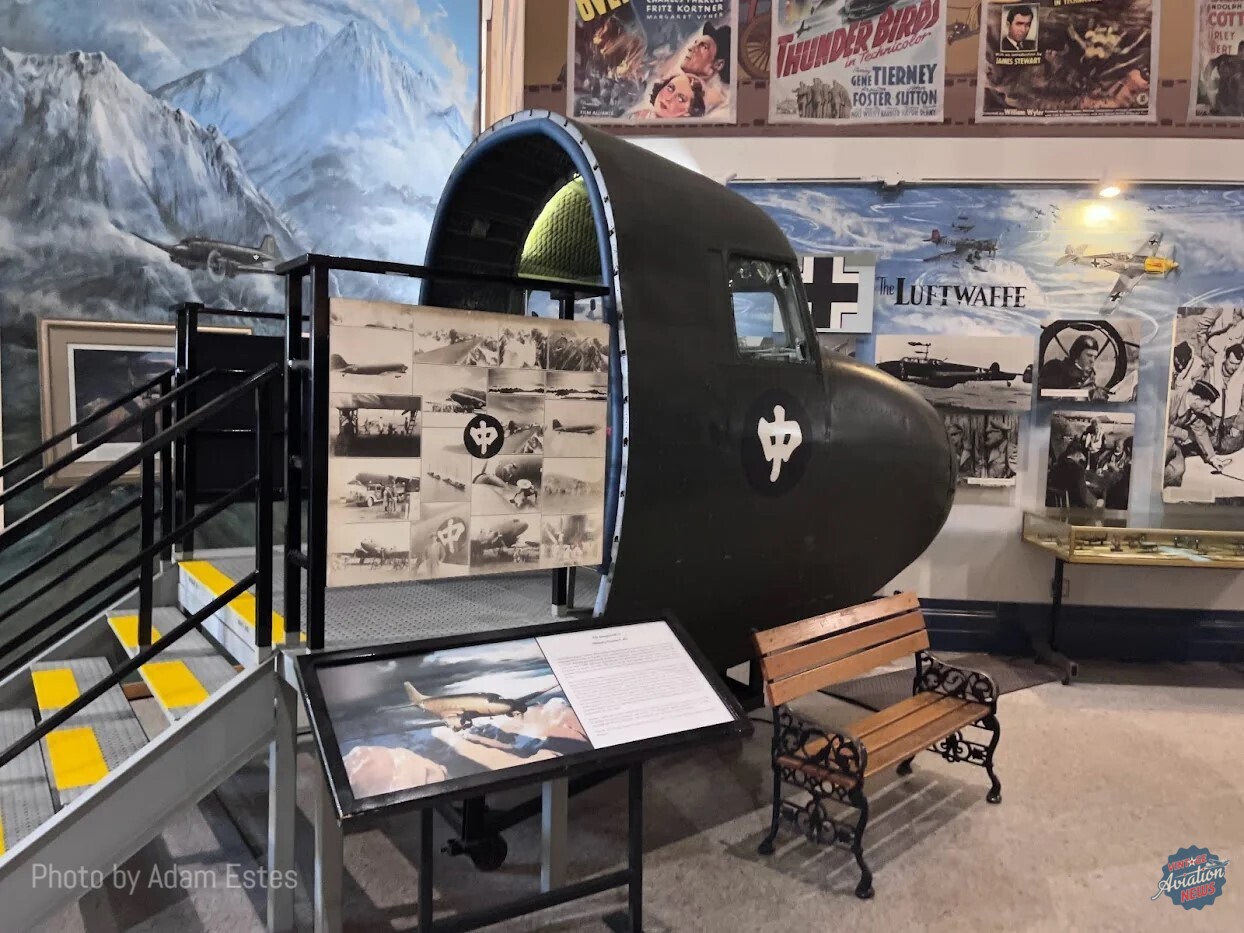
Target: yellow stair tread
x: 75, y: 758
x: 243, y: 605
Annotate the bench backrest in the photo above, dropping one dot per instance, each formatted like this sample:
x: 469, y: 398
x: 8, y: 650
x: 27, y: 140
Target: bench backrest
x: 801, y: 657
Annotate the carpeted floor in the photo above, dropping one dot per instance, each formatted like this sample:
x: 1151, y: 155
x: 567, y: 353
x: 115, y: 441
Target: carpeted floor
x: 880, y: 690
x: 1102, y: 782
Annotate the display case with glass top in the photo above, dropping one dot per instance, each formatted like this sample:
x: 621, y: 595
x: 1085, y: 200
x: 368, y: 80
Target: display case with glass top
x: 1176, y: 539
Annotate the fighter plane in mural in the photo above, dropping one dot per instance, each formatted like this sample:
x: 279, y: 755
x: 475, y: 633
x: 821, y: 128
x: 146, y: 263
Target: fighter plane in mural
x: 339, y: 364
x: 925, y: 370
x: 221, y: 259
x: 1130, y: 267
x: 973, y: 249
x: 459, y: 710
x: 962, y: 224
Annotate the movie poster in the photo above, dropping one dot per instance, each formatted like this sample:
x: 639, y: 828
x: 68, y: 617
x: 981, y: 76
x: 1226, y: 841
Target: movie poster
x: 1064, y: 60
x: 864, y: 61
x: 640, y: 61
x: 1218, y: 61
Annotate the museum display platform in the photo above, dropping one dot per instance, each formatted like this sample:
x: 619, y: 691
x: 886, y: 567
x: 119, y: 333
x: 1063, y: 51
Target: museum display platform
x: 1084, y: 537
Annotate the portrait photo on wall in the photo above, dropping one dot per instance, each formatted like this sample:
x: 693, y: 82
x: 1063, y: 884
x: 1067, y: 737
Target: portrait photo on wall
x: 423, y: 719
x: 985, y: 445
x: 650, y: 60
x: 1090, y: 460
x: 976, y: 373
x: 1205, y: 408
x: 1091, y: 361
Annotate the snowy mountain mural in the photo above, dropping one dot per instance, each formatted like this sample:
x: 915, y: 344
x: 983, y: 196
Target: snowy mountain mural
x: 127, y: 126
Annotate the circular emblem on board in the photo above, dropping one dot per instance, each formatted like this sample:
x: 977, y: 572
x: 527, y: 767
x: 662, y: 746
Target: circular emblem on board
x: 483, y: 437
x: 777, y: 443
x: 450, y: 533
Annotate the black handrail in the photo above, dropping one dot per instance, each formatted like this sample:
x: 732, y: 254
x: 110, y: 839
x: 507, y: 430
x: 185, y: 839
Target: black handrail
x: 136, y: 562
x: 89, y: 420
x: 119, y: 674
x: 134, y: 420
x: 62, y: 549
x: 36, y: 518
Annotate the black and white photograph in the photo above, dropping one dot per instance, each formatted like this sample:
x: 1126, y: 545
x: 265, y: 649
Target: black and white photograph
x: 368, y: 553
x: 98, y: 375
x: 372, y: 490
x: 516, y: 382
x: 574, y: 428
x: 845, y: 344
x: 447, y: 467
x: 440, y: 541
x: 450, y: 395
x: 369, y: 359
x: 368, y: 425
x: 985, y: 445
x: 504, y: 543
x: 455, y: 338
x: 578, y: 346
x: 573, y: 485
x: 1090, y: 460
x: 571, y: 540
x: 507, y: 485
x: 522, y: 346
x: 1204, y: 462
x: 974, y: 373
x: 594, y: 385
x: 522, y: 417
x: 409, y: 722
x: 1090, y: 361
x: 357, y: 312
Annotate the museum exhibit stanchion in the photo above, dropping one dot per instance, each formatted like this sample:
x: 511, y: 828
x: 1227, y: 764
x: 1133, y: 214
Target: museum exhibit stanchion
x: 1088, y: 538
x: 614, y: 696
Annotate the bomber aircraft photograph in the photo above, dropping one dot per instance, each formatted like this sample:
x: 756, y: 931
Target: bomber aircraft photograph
x: 983, y: 373
x: 1131, y: 267
x: 221, y: 260
x: 339, y: 364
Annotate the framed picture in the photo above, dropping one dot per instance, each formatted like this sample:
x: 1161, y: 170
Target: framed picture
x: 84, y: 366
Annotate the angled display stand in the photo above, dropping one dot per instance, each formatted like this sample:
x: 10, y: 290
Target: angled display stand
x: 414, y: 725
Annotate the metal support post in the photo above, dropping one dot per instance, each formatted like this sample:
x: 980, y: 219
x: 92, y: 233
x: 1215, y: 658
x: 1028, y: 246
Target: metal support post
x: 554, y: 817
x: 282, y: 804
x: 295, y: 439
x: 263, y: 520
x: 635, y: 841
x: 426, y: 854
x: 328, y: 859
x: 146, y: 534
x: 168, y: 494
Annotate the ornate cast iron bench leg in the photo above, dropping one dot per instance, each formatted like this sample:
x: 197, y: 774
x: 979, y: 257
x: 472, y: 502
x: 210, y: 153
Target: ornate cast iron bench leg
x: 990, y: 722
x: 863, y: 890
x: 904, y: 766
x: 766, y: 845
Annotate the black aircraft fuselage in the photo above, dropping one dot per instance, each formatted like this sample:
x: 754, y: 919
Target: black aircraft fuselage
x: 744, y: 490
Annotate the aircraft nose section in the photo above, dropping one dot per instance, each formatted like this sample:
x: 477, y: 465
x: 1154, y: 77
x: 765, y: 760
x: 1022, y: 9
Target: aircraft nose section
x: 891, y: 466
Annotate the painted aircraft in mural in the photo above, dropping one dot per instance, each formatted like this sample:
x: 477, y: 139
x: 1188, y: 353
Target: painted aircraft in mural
x: 221, y: 259
x: 574, y: 428
x: 1130, y: 267
x: 963, y: 223
x: 460, y: 710
x: 926, y: 370
x: 339, y: 364
x: 973, y: 249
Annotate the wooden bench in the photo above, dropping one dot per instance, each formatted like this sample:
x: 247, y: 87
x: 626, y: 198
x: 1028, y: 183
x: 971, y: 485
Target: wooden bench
x: 833, y: 767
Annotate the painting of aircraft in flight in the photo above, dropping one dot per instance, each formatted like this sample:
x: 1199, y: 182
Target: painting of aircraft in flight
x: 220, y: 259
x: 574, y: 428
x: 339, y: 364
x: 460, y: 710
x: 923, y: 369
x: 972, y: 249
x: 1130, y: 267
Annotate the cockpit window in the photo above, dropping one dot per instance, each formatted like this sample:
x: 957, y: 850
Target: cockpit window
x: 767, y: 320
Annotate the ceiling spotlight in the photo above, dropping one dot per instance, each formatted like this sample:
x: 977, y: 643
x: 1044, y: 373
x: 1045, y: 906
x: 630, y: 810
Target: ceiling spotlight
x: 1109, y: 191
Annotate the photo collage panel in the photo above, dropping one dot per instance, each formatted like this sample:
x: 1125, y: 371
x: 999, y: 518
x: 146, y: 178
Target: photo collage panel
x: 463, y: 442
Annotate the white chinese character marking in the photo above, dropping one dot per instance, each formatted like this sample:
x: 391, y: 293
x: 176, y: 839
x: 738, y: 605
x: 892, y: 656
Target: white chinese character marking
x: 779, y: 439
x: 483, y: 434
x: 449, y: 535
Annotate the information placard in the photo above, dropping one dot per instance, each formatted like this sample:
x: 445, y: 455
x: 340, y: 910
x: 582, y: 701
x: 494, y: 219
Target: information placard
x: 399, y: 724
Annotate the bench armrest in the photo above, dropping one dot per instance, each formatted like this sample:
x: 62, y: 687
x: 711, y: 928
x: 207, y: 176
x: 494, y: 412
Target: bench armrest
x: 936, y: 676
x: 835, y: 752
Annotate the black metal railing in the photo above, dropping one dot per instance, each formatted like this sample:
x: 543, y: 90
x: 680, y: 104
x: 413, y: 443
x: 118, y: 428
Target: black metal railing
x: 161, y: 430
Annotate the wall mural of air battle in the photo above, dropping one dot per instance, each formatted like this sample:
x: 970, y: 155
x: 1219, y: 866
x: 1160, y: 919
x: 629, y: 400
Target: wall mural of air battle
x: 1049, y: 60
x: 1120, y: 303
x: 634, y: 61
x: 462, y: 442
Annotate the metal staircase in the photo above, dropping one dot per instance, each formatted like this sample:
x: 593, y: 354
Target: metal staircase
x: 82, y: 784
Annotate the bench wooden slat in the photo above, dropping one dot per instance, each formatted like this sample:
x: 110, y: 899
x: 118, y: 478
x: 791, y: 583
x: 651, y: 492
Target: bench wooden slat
x: 823, y: 774
x: 782, y: 691
x: 794, y: 633
x: 805, y: 657
x: 862, y: 728
x: 914, y: 742
x: 913, y: 722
